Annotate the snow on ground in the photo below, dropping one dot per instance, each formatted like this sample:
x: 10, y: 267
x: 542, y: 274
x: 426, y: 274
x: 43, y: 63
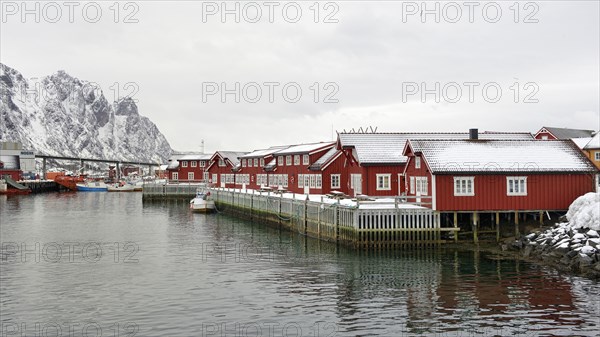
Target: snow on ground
x: 379, y: 203
x: 584, y: 212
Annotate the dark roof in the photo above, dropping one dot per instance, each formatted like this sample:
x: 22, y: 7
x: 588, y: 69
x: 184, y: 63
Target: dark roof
x: 565, y: 133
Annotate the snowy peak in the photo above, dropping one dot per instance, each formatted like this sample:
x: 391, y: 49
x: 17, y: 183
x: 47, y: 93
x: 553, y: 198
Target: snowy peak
x: 62, y: 115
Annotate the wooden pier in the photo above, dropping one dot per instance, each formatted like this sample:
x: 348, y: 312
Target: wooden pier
x: 363, y: 225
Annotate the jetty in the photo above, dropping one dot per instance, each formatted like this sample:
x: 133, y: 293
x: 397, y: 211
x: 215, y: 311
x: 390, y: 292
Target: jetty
x: 379, y: 223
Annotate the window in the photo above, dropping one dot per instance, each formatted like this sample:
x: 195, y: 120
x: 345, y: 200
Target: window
x: 194, y: 163
x: 280, y: 160
x: 421, y: 185
x: 516, y: 185
x: 184, y: 164
x: 307, y: 180
x: 597, y: 156
x: 243, y: 162
x: 288, y: 160
x: 190, y: 175
x: 262, y: 162
x: 412, y: 185
x: 202, y: 163
x: 206, y: 176
x: 417, y: 162
x: 215, y: 178
x: 300, y: 181
x: 297, y: 159
x: 221, y: 163
x: 383, y: 182
x: 335, y: 181
x: 319, y: 181
x: 313, y: 182
x: 464, y: 186
x: 175, y: 176
x: 545, y: 137
x: 305, y: 159
x: 255, y: 162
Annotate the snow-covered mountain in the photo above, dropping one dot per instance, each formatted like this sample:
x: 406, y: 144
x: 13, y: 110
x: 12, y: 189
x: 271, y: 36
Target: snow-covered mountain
x: 62, y: 115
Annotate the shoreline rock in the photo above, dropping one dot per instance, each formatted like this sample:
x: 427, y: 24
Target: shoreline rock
x: 572, y: 246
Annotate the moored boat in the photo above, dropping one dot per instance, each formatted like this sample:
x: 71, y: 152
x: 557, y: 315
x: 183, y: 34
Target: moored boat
x: 121, y: 188
x: 92, y: 186
x: 203, y: 202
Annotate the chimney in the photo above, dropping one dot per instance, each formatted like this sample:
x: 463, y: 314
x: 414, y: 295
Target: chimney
x: 473, y: 134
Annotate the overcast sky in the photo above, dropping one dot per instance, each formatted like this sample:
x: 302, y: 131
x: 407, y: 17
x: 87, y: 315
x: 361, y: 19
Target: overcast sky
x: 371, y: 61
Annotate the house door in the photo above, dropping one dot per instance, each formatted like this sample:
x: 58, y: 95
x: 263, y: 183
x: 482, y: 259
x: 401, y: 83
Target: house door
x: 356, y: 183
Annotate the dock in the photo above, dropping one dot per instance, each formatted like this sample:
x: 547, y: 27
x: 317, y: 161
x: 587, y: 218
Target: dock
x: 380, y: 223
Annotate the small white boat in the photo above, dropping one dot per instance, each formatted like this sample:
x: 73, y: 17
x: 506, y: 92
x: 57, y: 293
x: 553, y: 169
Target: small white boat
x: 92, y: 186
x: 121, y: 188
x: 203, y: 202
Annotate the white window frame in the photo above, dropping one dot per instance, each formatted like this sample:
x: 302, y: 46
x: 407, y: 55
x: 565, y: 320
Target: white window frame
x: 516, y: 186
x: 243, y: 162
x: 465, y: 192
x: 262, y: 162
x: 300, y: 181
x: 190, y: 175
x: 296, y: 159
x: 597, y: 156
x: 544, y: 137
x: 421, y: 186
x: 288, y: 160
x: 412, y: 185
x: 318, y: 182
x: 335, y: 180
x: 383, y: 186
x: 222, y: 163
x: 305, y: 159
x: 206, y: 176
x: 417, y: 162
x: 255, y: 162
x: 202, y: 163
x: 194, y: 163
x: 184, y: 163
x: 215, y: 178
x: 175, y: 175
x: 280, y: 160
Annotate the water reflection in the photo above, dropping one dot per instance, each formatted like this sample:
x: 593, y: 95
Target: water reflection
x: 217, y: 275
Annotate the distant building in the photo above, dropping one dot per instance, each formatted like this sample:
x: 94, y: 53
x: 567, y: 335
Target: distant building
x: 14, y: 158
x: 548, y: 133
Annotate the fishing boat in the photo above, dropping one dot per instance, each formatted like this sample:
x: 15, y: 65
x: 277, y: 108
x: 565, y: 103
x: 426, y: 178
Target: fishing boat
x: 92, y: 186
x: 121, y: 187
x: 203, y: 202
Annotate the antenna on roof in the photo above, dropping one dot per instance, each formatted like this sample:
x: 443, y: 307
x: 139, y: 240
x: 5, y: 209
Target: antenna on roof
x: 202, y: 146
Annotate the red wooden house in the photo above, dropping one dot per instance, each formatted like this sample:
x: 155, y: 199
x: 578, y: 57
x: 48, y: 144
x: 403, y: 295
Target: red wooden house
x: 374, y: 162
x: 188, y: 167
x: 222, y: 166
x: 498, y: 175
x: 252, y: 164
x: 290, y: 168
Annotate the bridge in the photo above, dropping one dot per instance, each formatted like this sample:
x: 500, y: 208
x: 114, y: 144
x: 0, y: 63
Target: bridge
x: 81, y: 160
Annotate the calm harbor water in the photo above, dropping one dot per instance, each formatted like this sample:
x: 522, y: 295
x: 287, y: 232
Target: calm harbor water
x: 108, y: 264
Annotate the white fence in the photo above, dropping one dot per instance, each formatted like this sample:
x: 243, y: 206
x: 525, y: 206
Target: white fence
x: 365, y: 227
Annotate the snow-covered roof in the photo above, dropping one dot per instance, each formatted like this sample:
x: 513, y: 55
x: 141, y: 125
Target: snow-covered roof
x: 581, y: 142
x: 594, y: 143
x: 271, y: 165
x: 303, y: 148
x: 196, y: 156
x: 232, y: 156
x: 488, y: 156
x: 173, y: 164
x: 323, y: 159
x: 565, y: 133
x: 387, y: 148
x: 264, y: 152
